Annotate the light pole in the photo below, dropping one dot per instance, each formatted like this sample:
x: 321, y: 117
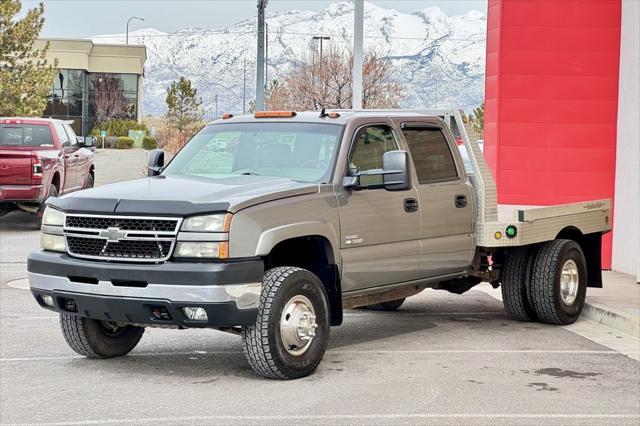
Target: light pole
x: 262, y: 5
x: 129, y: 20
x: 358, y: 35
x: 321, y: 38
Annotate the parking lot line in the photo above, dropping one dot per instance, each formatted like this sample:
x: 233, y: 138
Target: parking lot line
x: 335, y: 417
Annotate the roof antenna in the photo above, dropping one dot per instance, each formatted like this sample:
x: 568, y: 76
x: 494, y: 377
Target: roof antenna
x: 323, y: 114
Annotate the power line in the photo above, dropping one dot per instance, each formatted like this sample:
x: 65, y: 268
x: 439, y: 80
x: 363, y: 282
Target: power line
x: 248, y: 33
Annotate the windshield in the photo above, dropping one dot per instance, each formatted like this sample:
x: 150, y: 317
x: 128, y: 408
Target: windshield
x: 300, y: 151
x: 21, y: 135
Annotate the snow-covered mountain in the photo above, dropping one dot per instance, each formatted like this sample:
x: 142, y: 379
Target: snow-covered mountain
x: 439, y: 58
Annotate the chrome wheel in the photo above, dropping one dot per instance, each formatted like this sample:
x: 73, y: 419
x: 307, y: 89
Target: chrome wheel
x: 569, y: 282
x: 298, y: 325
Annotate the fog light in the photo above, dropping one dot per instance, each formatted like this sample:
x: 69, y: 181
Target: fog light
x: 195, y: 314
x: 48, y: 300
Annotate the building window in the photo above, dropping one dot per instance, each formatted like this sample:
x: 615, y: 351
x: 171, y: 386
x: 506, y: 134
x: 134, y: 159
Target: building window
x: 113, y: 96
x: 107, y: 95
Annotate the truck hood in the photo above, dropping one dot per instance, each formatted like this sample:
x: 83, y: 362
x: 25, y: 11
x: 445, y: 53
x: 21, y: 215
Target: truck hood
x: 181, y: 195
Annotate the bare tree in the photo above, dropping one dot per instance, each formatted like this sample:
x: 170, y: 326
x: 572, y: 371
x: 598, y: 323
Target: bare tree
x: 109, y: 99
x: 317, y: 84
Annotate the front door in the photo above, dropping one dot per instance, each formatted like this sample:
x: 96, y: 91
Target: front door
x: 445, y: 198
x: 82, y: 161
x: 69, y: 147
x: 379, y: 237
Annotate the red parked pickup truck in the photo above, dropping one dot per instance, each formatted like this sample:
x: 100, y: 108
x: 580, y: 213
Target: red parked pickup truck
x: 41, y: 158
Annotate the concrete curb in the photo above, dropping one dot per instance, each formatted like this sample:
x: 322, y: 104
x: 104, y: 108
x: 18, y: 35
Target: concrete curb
x: 624, y: 322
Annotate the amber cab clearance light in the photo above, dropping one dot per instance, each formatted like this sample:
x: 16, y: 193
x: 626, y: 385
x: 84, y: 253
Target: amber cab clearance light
x: 227, y: 115
x: 274, y: 114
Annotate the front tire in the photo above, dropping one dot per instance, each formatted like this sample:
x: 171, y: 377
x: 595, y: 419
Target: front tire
x: 99, y: 339
x: 291, y: 332
x: 53, y: 192
x: 559, y: 282
x: 89, y: 182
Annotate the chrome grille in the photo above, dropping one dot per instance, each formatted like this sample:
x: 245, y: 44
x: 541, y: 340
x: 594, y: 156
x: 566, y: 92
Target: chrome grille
x: 124, y: 224
x: 121, y: 238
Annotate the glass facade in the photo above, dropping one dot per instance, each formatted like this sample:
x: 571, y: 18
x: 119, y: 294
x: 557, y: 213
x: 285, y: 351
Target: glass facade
x: 86, y: 97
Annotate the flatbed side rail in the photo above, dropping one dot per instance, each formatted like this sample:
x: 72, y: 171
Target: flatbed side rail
x: 538, y: 213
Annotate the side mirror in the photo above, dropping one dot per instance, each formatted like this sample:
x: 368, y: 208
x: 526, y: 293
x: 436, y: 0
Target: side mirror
x: 87, y: 141
x: 156, y: 162
x: 395, y: 171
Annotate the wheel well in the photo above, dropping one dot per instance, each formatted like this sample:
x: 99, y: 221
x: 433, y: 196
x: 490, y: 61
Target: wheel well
x: 591, y: 245
x: 313, y: 253
x: 55, y: 180
x: 92, y: 171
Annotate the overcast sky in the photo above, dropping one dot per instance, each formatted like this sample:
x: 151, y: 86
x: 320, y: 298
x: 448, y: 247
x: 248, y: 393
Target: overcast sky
x: 84, y: 18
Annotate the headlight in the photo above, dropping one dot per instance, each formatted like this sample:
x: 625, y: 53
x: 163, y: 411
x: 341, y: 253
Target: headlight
x: 201, y: 249
x: 52, y: 217
x: 208, y: 223
x: 53, y: 242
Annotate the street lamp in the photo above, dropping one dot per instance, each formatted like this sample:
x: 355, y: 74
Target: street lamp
x: 321, y: 38
x: 129, y: 20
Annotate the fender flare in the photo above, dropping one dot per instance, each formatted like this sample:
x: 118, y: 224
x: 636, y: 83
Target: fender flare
x: 271, y: 237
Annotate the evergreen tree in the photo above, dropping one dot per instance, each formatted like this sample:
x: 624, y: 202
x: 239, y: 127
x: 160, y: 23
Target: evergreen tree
x: 184, y: 107
x: 25, y: 75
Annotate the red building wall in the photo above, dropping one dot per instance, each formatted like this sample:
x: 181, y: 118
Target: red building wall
x: 551, y: 100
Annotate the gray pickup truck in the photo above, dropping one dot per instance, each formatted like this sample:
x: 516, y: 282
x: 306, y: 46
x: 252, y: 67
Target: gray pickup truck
x: 270, y: 225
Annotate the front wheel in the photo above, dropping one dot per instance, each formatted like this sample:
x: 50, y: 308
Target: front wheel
x: 89, y: 182
x: 99, y: 339
x: 53, y: 192
x: 291, y: 331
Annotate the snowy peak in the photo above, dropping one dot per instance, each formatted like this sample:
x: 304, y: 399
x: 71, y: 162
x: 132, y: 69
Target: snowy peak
x: 438, y: 58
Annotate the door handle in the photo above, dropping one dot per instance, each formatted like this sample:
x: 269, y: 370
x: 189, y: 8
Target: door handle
x: 76, y: 156
x: 410, y: 205
x: 461, y: 201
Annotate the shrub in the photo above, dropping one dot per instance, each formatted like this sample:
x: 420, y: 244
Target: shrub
x: 124, y: 142
x: 149, y: 142
x: 118, y: 127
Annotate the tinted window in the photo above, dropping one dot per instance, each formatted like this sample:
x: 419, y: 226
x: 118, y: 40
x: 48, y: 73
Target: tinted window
x: 431, y: 155
x: 25, y: 135
x: 369, y: 147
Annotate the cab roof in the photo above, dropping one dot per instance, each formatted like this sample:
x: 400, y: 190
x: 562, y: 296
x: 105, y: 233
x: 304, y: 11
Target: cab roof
x: 314, y: 116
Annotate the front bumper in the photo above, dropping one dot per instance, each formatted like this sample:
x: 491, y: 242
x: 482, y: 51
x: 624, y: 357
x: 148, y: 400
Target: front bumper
x: 135, y: 293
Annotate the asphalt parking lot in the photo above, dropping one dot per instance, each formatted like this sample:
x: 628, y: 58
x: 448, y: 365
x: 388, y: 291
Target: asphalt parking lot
x: 441, y: 359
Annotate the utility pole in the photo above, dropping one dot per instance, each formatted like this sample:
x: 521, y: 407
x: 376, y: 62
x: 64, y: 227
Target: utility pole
x: 216, y: 102
x: 358, y: 24
x: 244, y: 86
x: 262, y: 4
x: 266, y: 56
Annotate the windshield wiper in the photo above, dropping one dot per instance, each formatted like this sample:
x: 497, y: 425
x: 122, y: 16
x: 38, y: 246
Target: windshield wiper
x: 249, y: 174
